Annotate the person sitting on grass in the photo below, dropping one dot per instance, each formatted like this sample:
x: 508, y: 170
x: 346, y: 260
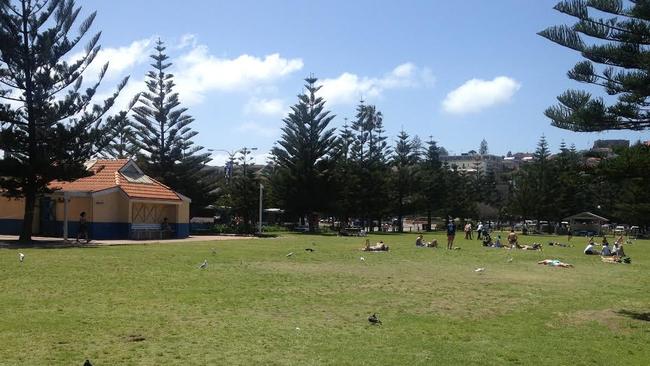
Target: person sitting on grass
x: 618, y: 250
x: 487, y: 240
x: 555, y: 263
x: 419, y: 242
x: 379, y: 247
x: 591, y: 248
x: 605, y: 252
x: 497, y: 243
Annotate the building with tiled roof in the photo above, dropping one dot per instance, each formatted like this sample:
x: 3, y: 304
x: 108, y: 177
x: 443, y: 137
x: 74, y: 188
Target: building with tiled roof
x: 119, y: 202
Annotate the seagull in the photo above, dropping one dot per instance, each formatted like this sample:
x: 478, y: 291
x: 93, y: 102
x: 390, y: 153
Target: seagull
x: 87, y: 363
x: 480, y: 269
x: 309, y: 250
x: 362, y: 259
x: 21, y: 257
x: 374, y: 320
x: 509, y: 260
x: 290, y: 254
x: 204, y: 265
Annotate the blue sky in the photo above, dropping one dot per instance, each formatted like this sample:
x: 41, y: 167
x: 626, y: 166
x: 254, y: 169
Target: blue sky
x: 457, y: 71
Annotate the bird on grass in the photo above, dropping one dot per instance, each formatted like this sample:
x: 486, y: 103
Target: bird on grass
x: 204, y: 265
x: 214, y: 251
x: 509, y: 260
x: 480, y: 269
x: 21, y: 257
x: 87, y: 363
x: 290, y: 254
x: 374, y: 320
x: 362, y: 259
x: 309, y: 250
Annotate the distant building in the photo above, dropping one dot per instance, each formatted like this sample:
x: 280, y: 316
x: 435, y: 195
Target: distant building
x: 472, y: 162
x: 119, y: 201
x: 610, y: 144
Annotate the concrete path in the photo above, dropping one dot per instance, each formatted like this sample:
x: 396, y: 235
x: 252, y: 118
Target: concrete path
x: 40, y: 241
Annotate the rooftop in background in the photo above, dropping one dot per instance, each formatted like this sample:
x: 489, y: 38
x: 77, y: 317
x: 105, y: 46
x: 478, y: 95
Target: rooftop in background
x: 123, y: 174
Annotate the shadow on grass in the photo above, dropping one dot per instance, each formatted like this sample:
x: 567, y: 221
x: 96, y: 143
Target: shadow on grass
x: 635, y: 315
x: 44, y: 244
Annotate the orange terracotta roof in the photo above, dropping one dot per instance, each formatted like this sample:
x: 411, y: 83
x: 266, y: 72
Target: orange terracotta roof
x: 107, y: 175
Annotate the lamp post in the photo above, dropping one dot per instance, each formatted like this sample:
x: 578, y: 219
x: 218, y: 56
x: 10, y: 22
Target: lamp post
x: 259, y: 223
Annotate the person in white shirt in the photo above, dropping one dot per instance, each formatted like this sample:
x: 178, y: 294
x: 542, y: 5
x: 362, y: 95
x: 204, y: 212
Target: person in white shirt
x: 591, y: 249
x: 479, y: 230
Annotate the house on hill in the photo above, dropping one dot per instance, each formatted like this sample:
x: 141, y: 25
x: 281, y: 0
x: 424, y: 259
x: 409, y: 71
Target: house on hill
x: 119, y: 200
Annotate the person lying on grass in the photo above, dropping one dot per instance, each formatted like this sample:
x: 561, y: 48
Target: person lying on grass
x: 555, y: 263
x: 379, y: 247
x: 558, y: 244
x: 616, y: 259
x: 534, y: 246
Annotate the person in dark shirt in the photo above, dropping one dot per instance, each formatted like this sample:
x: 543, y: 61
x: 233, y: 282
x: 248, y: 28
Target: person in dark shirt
x: 451, y: 234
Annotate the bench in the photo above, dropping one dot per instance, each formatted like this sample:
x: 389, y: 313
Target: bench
x: 352, y: 231
x: 146, y: 231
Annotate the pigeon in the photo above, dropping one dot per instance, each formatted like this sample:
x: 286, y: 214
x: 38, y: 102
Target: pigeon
x: 374, y: 320
x: 480, y: 269
x: 21, y: 257
x: 362, y: 259
x: 87, y: 363
x: 204, y: 265
x: 309, y: 250
x: 290, y: 254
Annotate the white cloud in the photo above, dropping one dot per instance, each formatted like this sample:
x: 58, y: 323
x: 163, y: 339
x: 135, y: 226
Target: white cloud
x: 187, y: 40
x: 119, y: 59
x: 258, y: 129
x: 349, y: 88
x: 198, y: 72
x: 477, y: 94
x: 265, y: 107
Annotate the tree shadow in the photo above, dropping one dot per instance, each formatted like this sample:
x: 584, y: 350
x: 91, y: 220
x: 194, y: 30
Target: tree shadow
x: 635, y: 315
x: 44, y: 244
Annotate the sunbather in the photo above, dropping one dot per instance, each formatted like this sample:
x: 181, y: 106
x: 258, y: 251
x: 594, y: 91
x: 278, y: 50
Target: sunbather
x: 555, y: 263
x: 379, y: 247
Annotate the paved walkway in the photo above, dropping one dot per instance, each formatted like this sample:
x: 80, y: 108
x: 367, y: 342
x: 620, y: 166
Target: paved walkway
x: 41, y: 241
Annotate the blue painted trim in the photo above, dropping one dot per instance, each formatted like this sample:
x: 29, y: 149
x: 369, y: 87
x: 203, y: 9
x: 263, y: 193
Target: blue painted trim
x: 10, y: 226
x: 181, y: 230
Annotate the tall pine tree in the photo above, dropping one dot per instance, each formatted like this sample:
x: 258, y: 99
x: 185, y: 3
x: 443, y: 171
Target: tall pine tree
x: 164, y: 137
x: 303, y: 155
x: 404, y: 164
x: 51, y: 128
x: 122, y: 144
x: 620, y: 45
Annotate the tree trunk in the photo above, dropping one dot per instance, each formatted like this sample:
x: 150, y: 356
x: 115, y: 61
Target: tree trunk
x: 28, y: 218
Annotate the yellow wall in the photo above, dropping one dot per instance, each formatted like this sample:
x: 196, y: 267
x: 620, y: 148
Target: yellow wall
x: 75, y: 206
x: 112, y: 207
x: 12, y: 209
x: 150, y: 212
x: 183, y: 213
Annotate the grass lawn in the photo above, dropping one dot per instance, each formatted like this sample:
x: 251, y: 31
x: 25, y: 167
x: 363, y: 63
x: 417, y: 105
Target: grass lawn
x: 253, y: 305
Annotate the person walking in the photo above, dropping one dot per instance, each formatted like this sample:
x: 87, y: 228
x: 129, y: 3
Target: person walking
x: 83, y: 227
x: 451, y: 233
x: 479, y: 230
x: 468, y: 230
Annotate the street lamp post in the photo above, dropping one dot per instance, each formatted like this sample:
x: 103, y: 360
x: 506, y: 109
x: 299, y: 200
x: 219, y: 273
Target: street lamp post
x: 259, y: 223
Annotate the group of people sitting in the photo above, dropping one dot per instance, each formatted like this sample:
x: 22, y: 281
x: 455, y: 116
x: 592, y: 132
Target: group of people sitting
x: 420, y: 242
x: 605, y: 250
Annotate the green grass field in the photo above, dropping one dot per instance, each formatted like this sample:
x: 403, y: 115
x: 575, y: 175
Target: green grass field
x: 253, y: 305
